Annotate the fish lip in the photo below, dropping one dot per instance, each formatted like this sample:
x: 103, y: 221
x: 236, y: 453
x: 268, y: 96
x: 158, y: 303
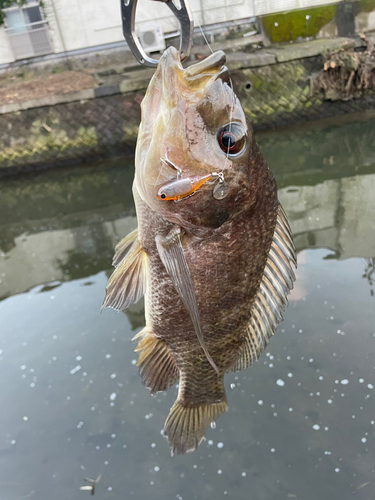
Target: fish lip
x: 216, y: 60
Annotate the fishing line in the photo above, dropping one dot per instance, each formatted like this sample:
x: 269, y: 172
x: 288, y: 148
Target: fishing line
x: 200, y: 27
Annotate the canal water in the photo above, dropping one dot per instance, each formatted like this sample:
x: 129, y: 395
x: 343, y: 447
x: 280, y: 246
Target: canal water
x: 301, y: 421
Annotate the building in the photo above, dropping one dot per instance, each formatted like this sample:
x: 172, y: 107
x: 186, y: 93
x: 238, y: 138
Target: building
x: 58, y: 26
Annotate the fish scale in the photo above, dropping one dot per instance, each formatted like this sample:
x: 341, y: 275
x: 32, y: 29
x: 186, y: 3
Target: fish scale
x: 216, y: 272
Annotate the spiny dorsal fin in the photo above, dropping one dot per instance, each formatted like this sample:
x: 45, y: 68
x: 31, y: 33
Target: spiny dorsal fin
x: 123, y: 246
x: 128, y: 281
x: 271, y: 299
x: 157, y: 366
x: 185, y: 426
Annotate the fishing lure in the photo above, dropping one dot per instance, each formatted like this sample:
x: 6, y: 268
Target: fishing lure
x: 182, y: 188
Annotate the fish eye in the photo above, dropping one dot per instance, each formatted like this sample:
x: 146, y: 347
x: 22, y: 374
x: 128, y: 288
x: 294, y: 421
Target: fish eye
x: 232, y: 139
x: 162, y: 196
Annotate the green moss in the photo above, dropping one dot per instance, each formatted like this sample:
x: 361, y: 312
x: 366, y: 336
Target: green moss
x: 288, y: 26
x: 41, y: 144
x: 366, y: 5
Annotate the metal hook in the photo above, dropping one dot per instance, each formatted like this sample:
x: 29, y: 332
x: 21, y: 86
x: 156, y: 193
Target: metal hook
x: 179, y: 8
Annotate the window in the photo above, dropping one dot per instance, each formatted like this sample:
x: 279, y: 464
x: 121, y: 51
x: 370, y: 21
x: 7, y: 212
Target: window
x: 27, y: 31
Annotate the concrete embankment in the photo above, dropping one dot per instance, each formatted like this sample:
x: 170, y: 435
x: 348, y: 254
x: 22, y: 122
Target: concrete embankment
x: 273, y: 85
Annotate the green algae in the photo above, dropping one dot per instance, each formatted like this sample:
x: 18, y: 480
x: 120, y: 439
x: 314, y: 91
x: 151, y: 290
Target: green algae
x: 366, y: 5
x: 288, y: 26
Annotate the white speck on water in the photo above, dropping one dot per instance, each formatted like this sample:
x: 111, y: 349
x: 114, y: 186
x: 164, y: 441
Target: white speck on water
x: 290, y: 409
x: 108, y: 356
x: 321, y: 377
x: 75, y: 370
x: 109, y: 488
x: 327, y: 453
x: 326, y: 428
x: 243, y: 474
x: 363, y: 440
x: 280, y: 382
x: 23, y: 367
x: 372, y: 422
x: 210, y: 442
x: 316, y: 427
x: 311, y: 360
x: 153, y: 445
x: 276, y: 24
x: 113, y: 396
x: 232, y: 386
x: 345, y: 381
x: 25, y: 418
x: 290, y: 375
x: 134, y: 361
x: 329, y: 401
x: 97, y: 447
x: 219, y: 471
x: 106, y: 462
x: 272, y: 450
x: 113, y: 375
x: 361, y: 380
x: 113, y: 436
x: 220, y: 445
x: 213, y: 425
x: 308, y: 17
x: 370, y: 386
x: 78, y: 358
x: 337, y: 469
x: 108, y: 445
x: 260, y: 402
x: 13, y: 441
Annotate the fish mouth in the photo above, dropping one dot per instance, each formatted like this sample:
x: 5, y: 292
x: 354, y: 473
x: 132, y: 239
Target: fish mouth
x: 195, y: 75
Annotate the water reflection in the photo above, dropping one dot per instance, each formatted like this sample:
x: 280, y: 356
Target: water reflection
x: 301, y: 421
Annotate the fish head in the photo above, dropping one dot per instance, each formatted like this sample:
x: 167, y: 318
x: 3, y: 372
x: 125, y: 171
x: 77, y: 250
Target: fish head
x: 193, y: 124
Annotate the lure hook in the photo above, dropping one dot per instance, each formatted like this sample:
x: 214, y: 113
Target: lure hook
x: 181, y: 11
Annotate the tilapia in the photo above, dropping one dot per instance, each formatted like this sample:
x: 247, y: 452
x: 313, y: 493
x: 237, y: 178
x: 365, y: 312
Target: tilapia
x: 216, y: 265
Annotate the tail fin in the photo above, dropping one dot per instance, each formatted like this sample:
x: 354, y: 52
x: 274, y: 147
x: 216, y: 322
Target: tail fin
x: 185, y: 426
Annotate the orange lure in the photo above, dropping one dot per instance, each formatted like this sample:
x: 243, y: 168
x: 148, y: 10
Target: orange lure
x: 181, y: 188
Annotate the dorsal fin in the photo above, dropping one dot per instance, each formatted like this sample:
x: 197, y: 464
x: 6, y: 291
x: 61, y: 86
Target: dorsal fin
x: 271, y: 299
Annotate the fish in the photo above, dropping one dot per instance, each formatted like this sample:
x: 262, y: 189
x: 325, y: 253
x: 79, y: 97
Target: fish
x: 215, y: 268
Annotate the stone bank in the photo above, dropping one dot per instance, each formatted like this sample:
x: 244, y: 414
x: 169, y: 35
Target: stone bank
x: 273, y: 85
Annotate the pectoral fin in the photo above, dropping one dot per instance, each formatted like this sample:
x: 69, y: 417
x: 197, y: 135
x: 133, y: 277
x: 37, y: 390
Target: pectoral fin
x: 172, y: 255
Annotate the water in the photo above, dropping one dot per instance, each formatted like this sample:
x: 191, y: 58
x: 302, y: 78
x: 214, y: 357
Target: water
x: 301, y: 421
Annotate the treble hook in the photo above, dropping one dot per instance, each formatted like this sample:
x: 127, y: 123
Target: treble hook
x: 179, y: 8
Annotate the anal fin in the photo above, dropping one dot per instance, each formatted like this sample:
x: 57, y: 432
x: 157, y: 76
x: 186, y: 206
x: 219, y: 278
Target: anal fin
x: 128, y: 281
x: 157, y: 367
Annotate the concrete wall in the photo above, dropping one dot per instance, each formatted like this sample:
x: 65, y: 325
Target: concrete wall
x: 6, y: 54
x: 77, y: 24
